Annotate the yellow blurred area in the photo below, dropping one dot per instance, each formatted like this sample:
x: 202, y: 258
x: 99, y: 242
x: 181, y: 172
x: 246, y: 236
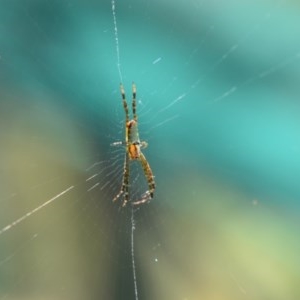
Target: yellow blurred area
x: 220, y: 245
x: 43, y: 153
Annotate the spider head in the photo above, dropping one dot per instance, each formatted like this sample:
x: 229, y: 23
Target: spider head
x: 131, y: 124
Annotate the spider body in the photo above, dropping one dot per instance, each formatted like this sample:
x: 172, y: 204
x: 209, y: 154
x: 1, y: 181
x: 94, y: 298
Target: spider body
x: 133, y: 152
x: 134, y: 145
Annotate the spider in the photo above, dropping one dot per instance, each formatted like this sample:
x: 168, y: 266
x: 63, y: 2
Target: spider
x: 133, y: 147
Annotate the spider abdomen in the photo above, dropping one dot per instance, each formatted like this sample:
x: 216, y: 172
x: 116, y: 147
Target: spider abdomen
x: 134, y: 151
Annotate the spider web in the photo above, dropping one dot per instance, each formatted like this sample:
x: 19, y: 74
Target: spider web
x: 218, y: 102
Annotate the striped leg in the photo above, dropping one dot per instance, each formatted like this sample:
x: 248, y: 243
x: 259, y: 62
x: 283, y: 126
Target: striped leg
x: 124, y: 103
x: 150, y: 179
x: 134, y: 102
x: 125, y: 183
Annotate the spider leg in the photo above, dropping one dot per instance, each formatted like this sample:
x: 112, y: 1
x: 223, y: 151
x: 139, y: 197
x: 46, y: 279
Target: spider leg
x: 125, y: 182
x: 145, y: 198
x: 148, y: 174
x: 134, y: 102
x: 124, y: 103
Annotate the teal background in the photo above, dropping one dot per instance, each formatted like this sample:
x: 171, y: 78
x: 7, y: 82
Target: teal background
x: 218, y: 91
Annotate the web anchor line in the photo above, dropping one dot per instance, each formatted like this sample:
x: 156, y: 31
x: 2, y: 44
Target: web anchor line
x: 132, y: 254
x: 113, y: 7
x: 35, y: 210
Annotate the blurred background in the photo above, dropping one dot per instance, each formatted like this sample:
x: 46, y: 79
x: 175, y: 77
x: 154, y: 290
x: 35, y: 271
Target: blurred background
x: 218, y: 104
